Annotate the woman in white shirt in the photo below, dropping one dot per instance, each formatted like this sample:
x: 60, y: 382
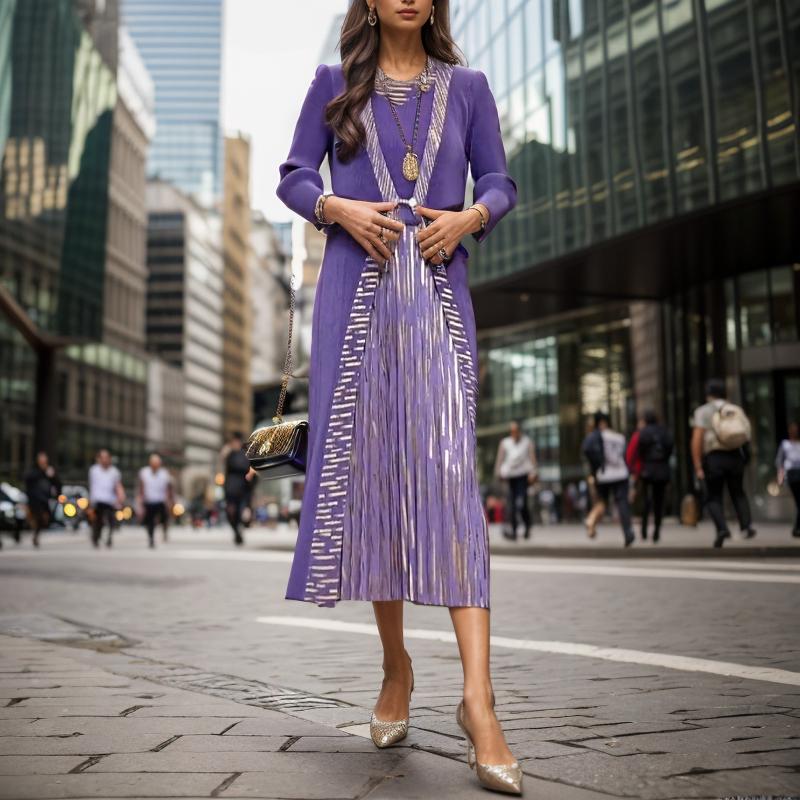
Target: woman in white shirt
x: 788, y: 463
x: 516, y: 463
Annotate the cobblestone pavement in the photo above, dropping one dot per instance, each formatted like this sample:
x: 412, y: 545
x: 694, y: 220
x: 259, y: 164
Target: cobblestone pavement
x: 137, y: 673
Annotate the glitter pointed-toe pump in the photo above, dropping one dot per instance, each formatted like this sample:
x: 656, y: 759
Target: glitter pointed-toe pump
x: 386, y: 733
x: 497, y: 777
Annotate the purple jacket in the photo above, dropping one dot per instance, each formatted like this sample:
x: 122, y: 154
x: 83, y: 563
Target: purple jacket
x: 471, y: 139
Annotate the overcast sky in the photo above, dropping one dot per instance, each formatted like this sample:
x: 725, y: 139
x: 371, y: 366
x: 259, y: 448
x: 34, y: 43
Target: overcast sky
x: 271, y: 50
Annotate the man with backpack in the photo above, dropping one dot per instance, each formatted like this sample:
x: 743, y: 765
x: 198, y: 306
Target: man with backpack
x: 720, y: 443
x: 604, y: 449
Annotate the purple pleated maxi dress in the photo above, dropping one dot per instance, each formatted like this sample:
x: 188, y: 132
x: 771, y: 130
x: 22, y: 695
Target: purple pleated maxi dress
x: 391, y: 507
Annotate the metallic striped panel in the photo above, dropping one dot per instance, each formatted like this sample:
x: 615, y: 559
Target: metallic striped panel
x: 323, y: 579
x: 442, y: 73
x: 414, y: 526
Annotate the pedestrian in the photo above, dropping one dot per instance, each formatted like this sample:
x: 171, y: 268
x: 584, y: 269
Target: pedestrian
x: 634, y: 462
x: 611, y: 475
x: 392, y: 509
x: 720, y: 452
x: 654, y: 450
x: 156, y: 496
x: 788, y: 463
x: 106, y: 495
x: 593, y: 452
x: 42, y: 487
x: 237, y: 484
x: 516, y: 463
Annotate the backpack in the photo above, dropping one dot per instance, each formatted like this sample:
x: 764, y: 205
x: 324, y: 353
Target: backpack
x: 660, y: 445
x: 731, y: 426
x: 594, y: 451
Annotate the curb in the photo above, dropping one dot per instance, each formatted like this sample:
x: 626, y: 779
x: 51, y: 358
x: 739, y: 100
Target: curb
x: 638, y: 551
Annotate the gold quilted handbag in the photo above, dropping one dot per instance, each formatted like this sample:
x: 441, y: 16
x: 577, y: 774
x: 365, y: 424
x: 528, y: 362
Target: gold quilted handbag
x: 280, y: 450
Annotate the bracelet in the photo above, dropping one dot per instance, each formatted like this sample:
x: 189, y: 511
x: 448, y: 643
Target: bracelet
x: 477, y: 208
x: 319, y: 208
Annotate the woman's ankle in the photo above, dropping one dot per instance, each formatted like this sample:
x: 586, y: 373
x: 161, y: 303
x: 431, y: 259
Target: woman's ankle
x: 397, y: 668
x: 480, y: 696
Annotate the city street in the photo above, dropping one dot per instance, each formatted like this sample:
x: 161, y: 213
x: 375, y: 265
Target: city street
x: 182, y: 672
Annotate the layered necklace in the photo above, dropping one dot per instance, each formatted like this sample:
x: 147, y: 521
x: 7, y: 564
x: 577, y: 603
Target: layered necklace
x: 386, y: 86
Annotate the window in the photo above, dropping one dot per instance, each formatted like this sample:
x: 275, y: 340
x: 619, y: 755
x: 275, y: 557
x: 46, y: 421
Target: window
x: 754, y: 309
x: 784, y: 304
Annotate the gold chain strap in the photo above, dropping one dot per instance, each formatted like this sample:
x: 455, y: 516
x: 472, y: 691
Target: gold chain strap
x: 287, y: 364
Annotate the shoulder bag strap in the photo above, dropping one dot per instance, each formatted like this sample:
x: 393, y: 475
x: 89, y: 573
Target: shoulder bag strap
x: 287, y: 362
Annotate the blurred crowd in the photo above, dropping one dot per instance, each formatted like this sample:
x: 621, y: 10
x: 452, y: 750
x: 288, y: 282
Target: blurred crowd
x: 624, y: 474
x: 636, y: 471
x: 103, y: 505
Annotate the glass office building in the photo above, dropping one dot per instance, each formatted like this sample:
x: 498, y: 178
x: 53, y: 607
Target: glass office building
x: 56, y: 111
x: 181, y: 44
x: 655, y: 145
x: 72, y: 379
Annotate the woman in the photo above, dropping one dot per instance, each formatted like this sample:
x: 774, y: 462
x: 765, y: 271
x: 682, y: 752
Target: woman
x: 392, y: 507
x: 654, y: 451
x: 788, y: 464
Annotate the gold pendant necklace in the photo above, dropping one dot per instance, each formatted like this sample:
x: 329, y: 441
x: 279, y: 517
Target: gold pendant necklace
x: 411, y: 159
x: 410, y: 166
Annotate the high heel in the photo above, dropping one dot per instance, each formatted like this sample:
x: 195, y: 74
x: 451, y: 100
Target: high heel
x: 386, y: 733
x: 497, y: 777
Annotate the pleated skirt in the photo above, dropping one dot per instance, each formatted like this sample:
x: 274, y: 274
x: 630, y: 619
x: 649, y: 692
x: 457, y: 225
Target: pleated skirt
x: 414, y: 527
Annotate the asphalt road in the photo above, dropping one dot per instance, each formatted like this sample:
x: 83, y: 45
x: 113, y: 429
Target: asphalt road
x: 646, y: 678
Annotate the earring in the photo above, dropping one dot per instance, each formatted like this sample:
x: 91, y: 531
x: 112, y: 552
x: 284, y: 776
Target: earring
x: 372, y: 17
x: 433, y: 11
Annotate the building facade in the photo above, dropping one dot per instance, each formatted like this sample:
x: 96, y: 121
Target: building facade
x: 655, y: 146
x: 165, y: 415
x: 185, y: 319
x: 270, y: 270
x: 103, y: 385
x: 72, y: 372
x: 237, y: 304
x: 181, y: 43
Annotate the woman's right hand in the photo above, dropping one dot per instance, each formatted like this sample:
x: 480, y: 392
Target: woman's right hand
x: 364, y: 221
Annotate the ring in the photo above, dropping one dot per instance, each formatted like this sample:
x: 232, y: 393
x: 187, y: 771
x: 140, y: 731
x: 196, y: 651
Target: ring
x: 381, y: 236
x: 443, y: 254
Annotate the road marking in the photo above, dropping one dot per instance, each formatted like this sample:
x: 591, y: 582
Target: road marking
x: 524, y: 564
x: 361, y: 730
x: 685, y: 663
x: 720, y: 563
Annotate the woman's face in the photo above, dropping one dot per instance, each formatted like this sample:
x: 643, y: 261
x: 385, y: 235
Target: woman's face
x: 402, y: 15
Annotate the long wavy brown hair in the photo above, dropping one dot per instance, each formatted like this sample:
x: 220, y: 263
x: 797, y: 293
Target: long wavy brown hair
x: 358, y: 45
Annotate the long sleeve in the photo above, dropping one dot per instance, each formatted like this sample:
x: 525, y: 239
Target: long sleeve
x: 301, y: 184
x: 779, y: 458
x: 494, y: 187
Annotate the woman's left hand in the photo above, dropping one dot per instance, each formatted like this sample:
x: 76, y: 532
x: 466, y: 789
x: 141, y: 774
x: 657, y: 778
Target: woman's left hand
x: 446, y: 231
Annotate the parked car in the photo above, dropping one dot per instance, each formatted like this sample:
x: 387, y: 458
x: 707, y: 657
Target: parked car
x: 71, y: 507
x: 13, y: 510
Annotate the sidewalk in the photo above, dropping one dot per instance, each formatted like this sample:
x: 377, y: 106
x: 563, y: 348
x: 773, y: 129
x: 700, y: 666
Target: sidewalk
x: 566, y: 540
x: 569, y: 540
x: 70, y: 728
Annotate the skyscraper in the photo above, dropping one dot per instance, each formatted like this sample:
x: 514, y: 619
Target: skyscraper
x: 185, y: 303
x: 181, y: 44
x: 237, y: 316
